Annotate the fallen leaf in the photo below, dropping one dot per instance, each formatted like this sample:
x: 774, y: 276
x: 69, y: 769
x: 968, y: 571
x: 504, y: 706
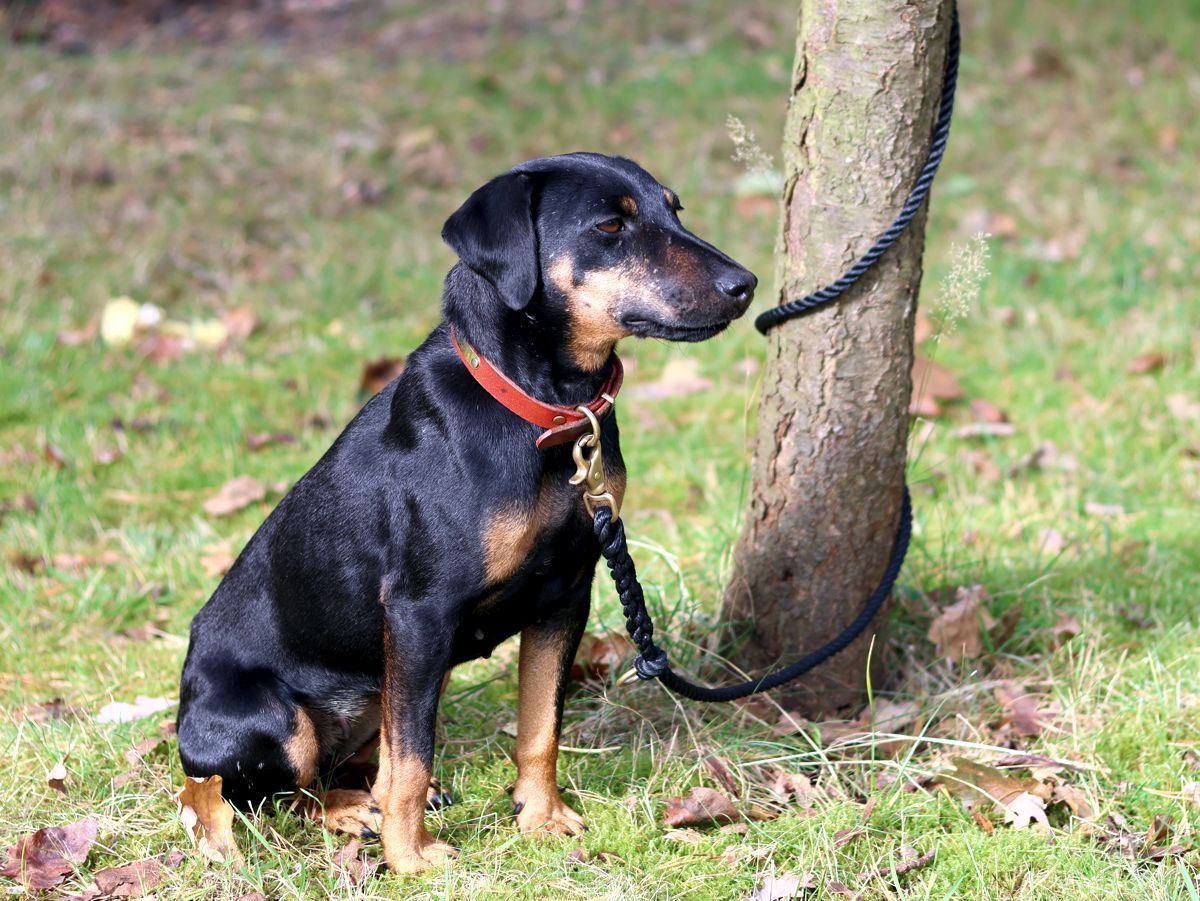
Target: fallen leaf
x: 239, y: 323
x: 598, y: 656
x: 719, y: 767
x: 57, y: 777
x: 701, y: 807
x: 840, y: 888
x: 1024, y: 809
x: 1051, y: 542
x: 986, y: 430
x: 55, y: 454
x: 934, y: 381
x: 378, y: 374
x: 234, y: 495
x: 743, y: 829
x: 985, y: 411
x: 684, y: 836
x: 256, y: 441
x: 1146, y: 363
x: 130, y: 881
x: 143, y: 749
x: 208, y: 818
x: 1023, y: 711
x: 681, y: 376
x: 780, y: 888
x: 23, y: 562
x: 123, y: 712
x: 891, y: 716
x: 795, y: 785
x: 579, y: 855
x: 354, y: 863
x: 52, y: 711
x: 1104, y: 511
x: 843, y: 837
x: 216, y: 561
x: 46, y: 858
x: 973, y: 781
x: 1066, y: 628
x: 957, y: 630
x: 253, y: 896
x: 1075, y: 799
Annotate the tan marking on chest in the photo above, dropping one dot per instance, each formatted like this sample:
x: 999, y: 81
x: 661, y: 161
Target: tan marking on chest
x: 512, y: 532
x: 303, y: 748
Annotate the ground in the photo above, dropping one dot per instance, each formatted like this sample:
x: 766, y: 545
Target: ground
x: 305, y: 181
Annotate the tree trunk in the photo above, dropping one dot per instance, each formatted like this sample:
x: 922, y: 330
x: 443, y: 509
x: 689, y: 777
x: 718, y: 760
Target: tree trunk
x: 833, y: 421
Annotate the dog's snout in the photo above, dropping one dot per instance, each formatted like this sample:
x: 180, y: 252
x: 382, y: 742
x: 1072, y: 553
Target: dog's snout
x: 738, y: 285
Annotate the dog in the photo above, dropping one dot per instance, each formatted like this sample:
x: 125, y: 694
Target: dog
x: 440, y: 522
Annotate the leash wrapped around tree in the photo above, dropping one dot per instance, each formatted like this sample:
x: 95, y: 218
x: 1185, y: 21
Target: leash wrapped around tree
x: 652, y: 662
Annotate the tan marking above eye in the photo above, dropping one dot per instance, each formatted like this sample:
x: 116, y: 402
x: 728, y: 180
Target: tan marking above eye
x: 627, y: 205
x: 672, y: 199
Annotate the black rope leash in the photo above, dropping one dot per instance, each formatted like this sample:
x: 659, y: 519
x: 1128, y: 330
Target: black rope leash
x: 651, y: 661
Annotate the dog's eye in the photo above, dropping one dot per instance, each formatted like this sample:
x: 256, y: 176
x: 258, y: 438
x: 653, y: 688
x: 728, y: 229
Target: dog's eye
x: 610, y: 226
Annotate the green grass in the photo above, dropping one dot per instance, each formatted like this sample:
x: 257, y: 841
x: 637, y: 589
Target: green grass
x: 229, y: 164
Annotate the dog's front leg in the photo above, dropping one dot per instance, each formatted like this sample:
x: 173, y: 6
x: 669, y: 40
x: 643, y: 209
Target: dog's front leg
x: 547, y: 650
x: 415, y: 662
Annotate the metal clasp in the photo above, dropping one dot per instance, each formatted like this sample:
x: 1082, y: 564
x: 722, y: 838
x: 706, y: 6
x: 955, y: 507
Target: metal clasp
x: 589, y: 469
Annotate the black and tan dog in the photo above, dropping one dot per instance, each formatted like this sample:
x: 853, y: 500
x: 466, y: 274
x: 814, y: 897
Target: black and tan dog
x: 434, y: 527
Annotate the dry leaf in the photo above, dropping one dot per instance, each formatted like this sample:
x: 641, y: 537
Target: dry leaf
x: 256, y: 441
x: 719, y: 767
x: 130, y: 881
x: 701, y: 807
x: 679, y: 377
x: 843, y: 837
x: 781, y: 888
x: 1024, y: 809
x: 795, y: 785
x: 57, y: 777
x: 1146, y: 363
x: 47, y: 857
x: 986, y: 430
x: 52, y: 711
x: 934, y: 381
x: 1075, y: 799
x: 974, y: 781
x: 985, y: 411
x: 957, y: 630
x: 234, y: 495
x: 123, y: 712
x: 143, y: 749
x: 1066, y: 628
x: 579, y: 855
x: 208, y: 818
x: 1104, y: 511
x: 216, y: 561
x: 239, y: 323
x: 378, y: 374
x: 598, y: 656
x: 354, y: 864
x: 684, y: 836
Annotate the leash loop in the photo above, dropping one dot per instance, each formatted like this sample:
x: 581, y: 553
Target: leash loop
x: 651, y: 661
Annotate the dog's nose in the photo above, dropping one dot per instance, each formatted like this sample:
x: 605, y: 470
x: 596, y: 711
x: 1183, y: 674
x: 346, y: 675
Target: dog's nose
x: 738, y: 285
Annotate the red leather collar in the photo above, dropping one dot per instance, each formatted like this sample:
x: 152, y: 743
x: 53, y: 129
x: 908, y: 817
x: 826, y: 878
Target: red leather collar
x: 562, y: 424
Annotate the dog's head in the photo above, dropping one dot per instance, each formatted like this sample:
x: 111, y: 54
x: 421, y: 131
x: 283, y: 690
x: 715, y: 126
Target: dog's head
x: 592, y: 246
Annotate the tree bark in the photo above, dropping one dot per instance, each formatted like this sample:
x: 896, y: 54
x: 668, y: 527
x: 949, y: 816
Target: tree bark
x: 828, y: 470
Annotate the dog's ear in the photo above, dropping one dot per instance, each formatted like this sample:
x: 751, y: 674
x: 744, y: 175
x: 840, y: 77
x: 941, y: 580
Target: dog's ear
x: 492, y: 233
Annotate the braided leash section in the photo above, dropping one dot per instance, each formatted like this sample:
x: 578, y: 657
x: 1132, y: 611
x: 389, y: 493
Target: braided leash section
x: 651, y: 661
x: 920, y: 190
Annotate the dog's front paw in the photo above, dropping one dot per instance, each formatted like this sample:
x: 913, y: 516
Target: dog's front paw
x: 420, y: 857
x: 545, y: 813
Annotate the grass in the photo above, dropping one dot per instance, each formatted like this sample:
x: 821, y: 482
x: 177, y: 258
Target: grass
x: 228, y: 172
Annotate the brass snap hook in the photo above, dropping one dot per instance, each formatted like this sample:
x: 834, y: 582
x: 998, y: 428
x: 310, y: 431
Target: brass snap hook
x: 589, y: 469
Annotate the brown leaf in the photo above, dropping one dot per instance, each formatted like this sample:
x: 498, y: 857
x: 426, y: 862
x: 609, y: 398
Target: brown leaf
x: 143, y: 749
x: 234, y: 495
x: 378, y: 374
x: 354, y: 863
x: 1023, y: 711
x: 579, y: 855
x: 253, y: 896
x: 985, y: 411
x: 598, y: 656
x: 843, y: 837
x: 719, y: 767
x: 1075, y: 799
x: 934, y: 381
x: 239, y: 322
x: 833, y: 887
x: 57, y: 777
x: 781, y: 888
x: 1146, y: 363
x: 130, y: 881
x: 47, y: 857
x: 26, y: 563
x: 701, y: 807
x: 256, y: 441
x: 1025, y: 809
x: 208, y: 818
x: 684, y: 836
x: 972, y: 780
x: 1066, y: 628
x: 124, y: 712
x: 956, y: 630
x: 795, y: 785
x: 52, y: 711
x: 216, y: 561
